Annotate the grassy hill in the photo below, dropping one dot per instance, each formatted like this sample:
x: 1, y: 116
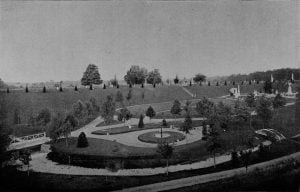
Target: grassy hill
x: 31, y: 103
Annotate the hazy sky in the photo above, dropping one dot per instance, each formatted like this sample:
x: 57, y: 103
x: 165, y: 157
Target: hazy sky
x: 42, y: 41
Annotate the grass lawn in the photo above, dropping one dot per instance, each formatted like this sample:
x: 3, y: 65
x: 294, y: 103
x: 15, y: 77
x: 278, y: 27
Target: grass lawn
x: 114, y: 122
x: 34, y: 101
x: 126, y: 129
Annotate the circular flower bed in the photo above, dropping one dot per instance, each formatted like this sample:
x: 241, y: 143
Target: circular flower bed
x: 168, y: 136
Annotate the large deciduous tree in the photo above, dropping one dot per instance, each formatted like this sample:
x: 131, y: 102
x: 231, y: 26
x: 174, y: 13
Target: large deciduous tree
x: 124, y: 115
x: 278, y: 101
x: 135, y: 75
x: 205, y: 107
x: 250, y: 100
x: 108, y: 109
x: 213, y: 143
x: 187, y: 125
x: 199, y: 78
x: 264, y: 110
x: 268, y: 87
x: 91, y: 76
x: 44, y: 116
x: 166, y: 151
x: 154, y: 77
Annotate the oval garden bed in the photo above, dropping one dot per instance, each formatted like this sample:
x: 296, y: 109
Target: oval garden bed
x: 154, y: 137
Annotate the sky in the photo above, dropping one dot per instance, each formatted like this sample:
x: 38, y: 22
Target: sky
x: 56, y: 40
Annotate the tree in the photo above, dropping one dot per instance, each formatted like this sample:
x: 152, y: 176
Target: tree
x: 154, y: 77
x: 234, y: 159
x: 82, y: 141
x: 250, y: 100
x: 268, y: 87
x: 114, y: 82
x: 95, y: 106
x: 199, y: 78
x: 25, y: 157
x: 264, y: 111
x: 44, y: 116
x: 150, y: 112
x: 4, y: 141
x: 75, y: 89
x: 129, y: 96
x: 246, y: 158
x: 89, y: 108
x: 241, y: 113
x: 119, y: 97
x: 213, y: 143
x: 278, y: 101
x: 124, y: 115
x: 141, y: 121
x: 176, y: 108
x: 108, y: 109
x: 164, y: 123
x: 187, y: 106
x: 187, y: 124
x: 91, y: 76
x: 79, y: 110
x: 224, y: 115
x: 44, y: 89
x: 176, y: 80
x: 54, y: 127
x: 166, y: 151
x: 204, y: 107
x: 135, y: 75
x: 69, y: 123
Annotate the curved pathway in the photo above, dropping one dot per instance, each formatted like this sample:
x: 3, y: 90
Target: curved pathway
x: 195, y: 180
x: 131, y: 138
x: 40, y: 163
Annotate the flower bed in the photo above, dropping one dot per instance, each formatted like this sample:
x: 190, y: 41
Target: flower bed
x: 152, y: 138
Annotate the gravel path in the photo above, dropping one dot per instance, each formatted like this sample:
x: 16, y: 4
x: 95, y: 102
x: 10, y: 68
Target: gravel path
x: 40, y: 163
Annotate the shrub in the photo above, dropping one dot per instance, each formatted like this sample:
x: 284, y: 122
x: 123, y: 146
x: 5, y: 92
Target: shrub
x: 82, y: 141
x: 164, y: 123
x: 234, y: 159
x: 141, y: 122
